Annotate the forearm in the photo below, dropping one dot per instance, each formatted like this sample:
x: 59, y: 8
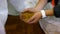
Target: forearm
x: 55, y: 11
x: 41, y: 4
x: 49, y: 12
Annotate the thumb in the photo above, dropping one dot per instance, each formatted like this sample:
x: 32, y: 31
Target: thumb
x: 26, y: 10
x: 32, y: 18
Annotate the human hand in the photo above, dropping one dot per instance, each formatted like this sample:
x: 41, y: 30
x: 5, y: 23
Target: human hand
x: 37, y: 15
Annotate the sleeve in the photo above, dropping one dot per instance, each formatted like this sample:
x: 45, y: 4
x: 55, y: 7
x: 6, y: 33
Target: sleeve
x: 57, y: 11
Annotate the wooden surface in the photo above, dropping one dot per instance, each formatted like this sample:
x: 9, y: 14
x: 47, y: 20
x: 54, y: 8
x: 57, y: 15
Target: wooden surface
x: 15, y: 26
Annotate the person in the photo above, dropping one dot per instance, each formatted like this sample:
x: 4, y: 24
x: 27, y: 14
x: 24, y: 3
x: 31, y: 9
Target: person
x: 15, y: 7
x: 53, y: 12
x: 50, y: 24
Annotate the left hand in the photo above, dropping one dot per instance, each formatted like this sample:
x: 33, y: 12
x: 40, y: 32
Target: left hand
x: 36, y: 17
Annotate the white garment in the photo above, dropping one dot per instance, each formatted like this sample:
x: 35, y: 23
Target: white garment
x: 16, y: 6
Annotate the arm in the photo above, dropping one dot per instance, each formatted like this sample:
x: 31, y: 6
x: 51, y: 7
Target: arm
x: 41, y: 4
x: 49, y: 12
x: 55, y: 11
x: 37, y: 15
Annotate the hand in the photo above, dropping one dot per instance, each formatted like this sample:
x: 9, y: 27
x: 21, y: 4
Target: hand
x: 31, y: 10
x: 36, y: 17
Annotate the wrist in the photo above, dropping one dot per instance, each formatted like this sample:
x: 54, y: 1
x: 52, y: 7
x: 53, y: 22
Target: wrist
x: 40, y: 14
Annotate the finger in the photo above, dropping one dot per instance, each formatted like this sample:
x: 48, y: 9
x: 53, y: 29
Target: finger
x: 25, y: 10
x: 31, y: 10
x: 35, y: 20
x: 22, y: 18
x: 32, y: 18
